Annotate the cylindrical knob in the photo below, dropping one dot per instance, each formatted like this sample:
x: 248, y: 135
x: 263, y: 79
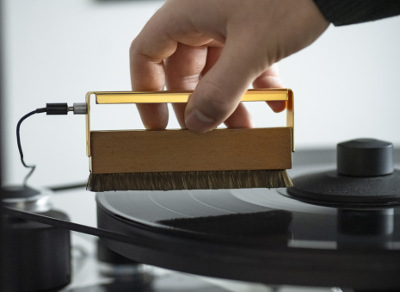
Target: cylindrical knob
x: 365, y: 157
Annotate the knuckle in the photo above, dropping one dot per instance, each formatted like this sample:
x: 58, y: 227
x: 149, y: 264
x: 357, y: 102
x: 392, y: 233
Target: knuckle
x: 218, y: 102
x: 133, y: 48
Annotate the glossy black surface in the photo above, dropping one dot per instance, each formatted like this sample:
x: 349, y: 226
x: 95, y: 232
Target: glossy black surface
x: 247, y: 216
x: 259, y: 235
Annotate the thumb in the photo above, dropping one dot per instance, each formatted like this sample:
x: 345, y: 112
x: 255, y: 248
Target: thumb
x: 218, y: 93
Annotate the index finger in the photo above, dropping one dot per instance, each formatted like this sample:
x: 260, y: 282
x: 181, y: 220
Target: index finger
x: 156, y: 42
x: 148, y: 74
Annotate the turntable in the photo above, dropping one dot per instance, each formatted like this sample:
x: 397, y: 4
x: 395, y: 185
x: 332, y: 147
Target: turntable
x: 335, y: 228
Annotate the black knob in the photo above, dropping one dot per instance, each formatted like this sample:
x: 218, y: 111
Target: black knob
x: 365, y: 158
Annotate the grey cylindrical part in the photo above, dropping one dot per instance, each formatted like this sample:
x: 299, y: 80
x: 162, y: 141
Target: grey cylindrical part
x: 80, y: 109
x: 365, y: 157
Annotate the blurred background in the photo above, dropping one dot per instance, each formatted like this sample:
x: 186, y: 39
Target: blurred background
x: 346, y: 85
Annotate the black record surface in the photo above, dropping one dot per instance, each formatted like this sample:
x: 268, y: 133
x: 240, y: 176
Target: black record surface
x: 258, y: 235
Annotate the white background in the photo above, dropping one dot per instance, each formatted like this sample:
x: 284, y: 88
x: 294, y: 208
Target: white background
x: 346, y: 84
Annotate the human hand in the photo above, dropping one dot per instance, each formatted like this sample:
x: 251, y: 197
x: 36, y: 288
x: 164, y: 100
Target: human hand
x: 218, y: 48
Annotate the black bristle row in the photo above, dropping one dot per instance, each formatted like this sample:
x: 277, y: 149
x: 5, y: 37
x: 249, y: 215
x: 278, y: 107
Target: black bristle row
x: 189, y: 180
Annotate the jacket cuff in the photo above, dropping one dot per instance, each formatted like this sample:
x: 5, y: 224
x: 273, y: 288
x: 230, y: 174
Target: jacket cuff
x: 343, y: 12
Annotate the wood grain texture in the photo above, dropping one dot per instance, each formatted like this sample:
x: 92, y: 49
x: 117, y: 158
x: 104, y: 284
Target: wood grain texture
x: 182, y: 150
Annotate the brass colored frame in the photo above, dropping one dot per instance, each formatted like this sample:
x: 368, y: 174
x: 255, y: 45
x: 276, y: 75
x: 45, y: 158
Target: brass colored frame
x: 123, y: 97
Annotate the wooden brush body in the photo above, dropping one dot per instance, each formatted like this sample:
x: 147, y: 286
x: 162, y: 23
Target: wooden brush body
x: 182, y: 150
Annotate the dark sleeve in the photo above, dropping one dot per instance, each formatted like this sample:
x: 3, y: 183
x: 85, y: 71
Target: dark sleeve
x: 342, y: 12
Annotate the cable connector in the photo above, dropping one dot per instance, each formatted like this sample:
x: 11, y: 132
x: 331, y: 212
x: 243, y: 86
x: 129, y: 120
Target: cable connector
x: 63, y: 108
x: 80, y: 108
x: 56, y: 108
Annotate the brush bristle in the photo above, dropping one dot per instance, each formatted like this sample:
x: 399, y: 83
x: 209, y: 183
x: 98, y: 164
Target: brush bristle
x: 189, y: 180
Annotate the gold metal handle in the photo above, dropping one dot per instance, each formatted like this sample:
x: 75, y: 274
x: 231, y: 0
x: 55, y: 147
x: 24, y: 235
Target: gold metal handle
x: 125, y: 97
x: 117, y: 97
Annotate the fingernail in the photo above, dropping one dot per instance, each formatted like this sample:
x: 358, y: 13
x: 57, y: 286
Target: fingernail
x: 198, y: 122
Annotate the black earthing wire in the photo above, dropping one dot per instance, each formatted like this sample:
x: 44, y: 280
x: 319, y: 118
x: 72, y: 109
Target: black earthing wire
x: 21, y: 154
x: 50, y: 109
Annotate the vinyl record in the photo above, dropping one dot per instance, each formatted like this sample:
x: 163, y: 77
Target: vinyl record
x: 257, y: 235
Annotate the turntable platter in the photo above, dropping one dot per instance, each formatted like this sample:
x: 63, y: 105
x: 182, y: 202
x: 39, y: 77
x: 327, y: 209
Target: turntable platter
x: 257, y: 235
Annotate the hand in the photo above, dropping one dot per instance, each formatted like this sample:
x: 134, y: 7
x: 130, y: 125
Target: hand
x: 218, y: 48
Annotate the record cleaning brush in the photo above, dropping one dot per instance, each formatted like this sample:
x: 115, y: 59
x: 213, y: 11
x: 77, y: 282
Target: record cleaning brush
x: 180, y: 159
